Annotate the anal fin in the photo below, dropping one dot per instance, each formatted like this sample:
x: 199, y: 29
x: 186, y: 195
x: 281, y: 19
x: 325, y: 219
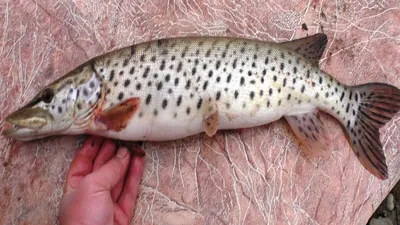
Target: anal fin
x: 310, y: 131
x: 117, y: 117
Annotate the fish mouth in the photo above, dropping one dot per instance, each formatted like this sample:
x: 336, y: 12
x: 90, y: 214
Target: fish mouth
x: 26, y: 124
x: 22, y: 133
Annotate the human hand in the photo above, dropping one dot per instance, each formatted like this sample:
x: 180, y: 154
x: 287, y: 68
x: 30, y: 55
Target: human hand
x: 101, y: 187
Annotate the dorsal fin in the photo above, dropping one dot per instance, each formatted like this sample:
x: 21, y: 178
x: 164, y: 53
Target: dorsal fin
x: 311, y: 47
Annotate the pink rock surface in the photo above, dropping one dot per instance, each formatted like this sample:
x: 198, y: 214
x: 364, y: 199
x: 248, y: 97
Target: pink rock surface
x: 257, y: 176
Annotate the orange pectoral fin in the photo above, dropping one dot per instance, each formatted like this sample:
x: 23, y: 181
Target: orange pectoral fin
x: 117, y: 117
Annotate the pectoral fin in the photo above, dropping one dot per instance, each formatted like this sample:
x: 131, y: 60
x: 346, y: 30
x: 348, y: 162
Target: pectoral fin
x: 311, y: 133
x: 117, y: 117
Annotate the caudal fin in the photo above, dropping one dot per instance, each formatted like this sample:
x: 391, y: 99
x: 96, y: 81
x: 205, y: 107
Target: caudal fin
x: 377, y: 104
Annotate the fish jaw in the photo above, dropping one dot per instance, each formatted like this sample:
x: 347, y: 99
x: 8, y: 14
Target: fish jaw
x: 30, y: 123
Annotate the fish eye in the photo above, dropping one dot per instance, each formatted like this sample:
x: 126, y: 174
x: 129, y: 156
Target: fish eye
x: 47, y: 95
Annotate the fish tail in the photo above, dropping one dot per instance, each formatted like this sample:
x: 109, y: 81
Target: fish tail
x: 375, y: 105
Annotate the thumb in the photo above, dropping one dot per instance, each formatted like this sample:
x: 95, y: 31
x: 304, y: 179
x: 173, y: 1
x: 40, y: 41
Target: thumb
x: 113, y: 171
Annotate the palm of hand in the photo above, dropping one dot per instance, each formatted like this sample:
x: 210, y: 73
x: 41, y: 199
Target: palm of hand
x: 101, y: 188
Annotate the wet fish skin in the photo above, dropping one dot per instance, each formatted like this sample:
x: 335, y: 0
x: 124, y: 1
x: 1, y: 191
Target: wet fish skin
x: 173, y: 88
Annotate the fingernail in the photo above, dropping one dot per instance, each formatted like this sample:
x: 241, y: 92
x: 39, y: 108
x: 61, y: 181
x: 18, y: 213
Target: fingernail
x: 122, y: 153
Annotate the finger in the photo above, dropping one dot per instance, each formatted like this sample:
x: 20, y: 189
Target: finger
x: 120, y: 217
x: 82, y: 164
x: 127, y: 200
x: 107, y: 151
x: 116, y: 191
x: 108, y: 176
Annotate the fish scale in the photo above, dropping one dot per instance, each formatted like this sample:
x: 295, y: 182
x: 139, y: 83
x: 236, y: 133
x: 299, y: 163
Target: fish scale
x: 173, y: 88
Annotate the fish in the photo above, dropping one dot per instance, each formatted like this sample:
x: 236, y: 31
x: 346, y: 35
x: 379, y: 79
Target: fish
x: 172, y: 88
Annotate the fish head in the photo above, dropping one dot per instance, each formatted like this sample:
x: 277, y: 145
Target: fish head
x: 58, y: 108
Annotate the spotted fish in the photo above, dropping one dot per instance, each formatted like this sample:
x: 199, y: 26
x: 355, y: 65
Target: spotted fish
x: 172, y: 88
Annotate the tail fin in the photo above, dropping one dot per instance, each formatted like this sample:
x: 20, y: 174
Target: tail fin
x: 377, y: 104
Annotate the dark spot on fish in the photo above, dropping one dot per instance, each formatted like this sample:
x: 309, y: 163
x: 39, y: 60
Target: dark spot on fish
x: 316, y: 95
x: 155, y: 112
x: 218, y: 79
x: 148, y: 99
x: 120, y: 96
x: 266, y: 60
x: 270, y: 91
x: 59, y: 109
x: 199, y: 103
x: 241, y: 81
x: 112, y: 74
x: 153, y: 58
x: 205, y: 85
x: 132, y: 70
x: 142, y: 58
x: 234, y: 64
x: 164, y: 103
x: 159, y: 86
x: 218, y: 64
x: 249, y: 73
x: 342, y: 96
x: 188, y: 110
x: 228, y: 79
x: 217, y: 97
x: 162, y: 66
x: 303, y: 88
x: 138, y: 86
x: 294, y: 70
x: 146, y: 72
x: 320, y: 80
x: 179, y: 68
x: 149, y: 84
x: 273, y: 68
x: 275, y: 78
x: 252, y: 82
x: 188, y: 82
x: 127, y: 82
x: 193, y: 71
x: 167, y: 78
x: 236, y: 94
x: 252, y: 95
x: 208, y: 53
